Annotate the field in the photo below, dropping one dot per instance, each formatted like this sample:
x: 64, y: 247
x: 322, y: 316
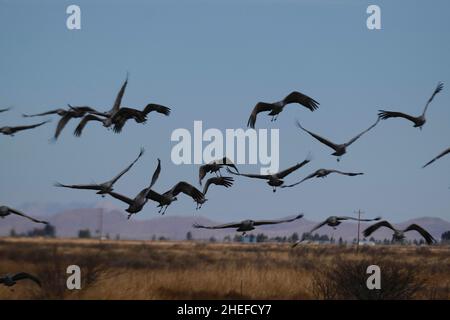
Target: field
x: 196, y: 270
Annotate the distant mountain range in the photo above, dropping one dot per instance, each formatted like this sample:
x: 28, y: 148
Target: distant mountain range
x: 114, y: 222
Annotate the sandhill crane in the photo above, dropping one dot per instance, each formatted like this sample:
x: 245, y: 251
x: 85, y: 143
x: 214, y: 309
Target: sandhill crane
x: 5, y: 109
x: 340, y: 149
x: 247, y: 225
x: 333, y: 222
x: 137, y: 204
x: 418, y: 121
x: 10, y: 280
x: 399, y: 235
x: 105, y: 187
x: 219, y: 181
x: 165, y: 200
x: 277, y: 107
x: 276, y: 179
x: 322, y: 173
x: 443, y: 153
x: 11, y: 131
x: 214, y: 167
x: 66, y: 116
x: 6, y: 211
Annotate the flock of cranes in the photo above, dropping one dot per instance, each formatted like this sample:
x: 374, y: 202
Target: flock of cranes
x: 118, y: 116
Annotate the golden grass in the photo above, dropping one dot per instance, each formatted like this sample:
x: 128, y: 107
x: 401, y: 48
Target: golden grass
x: 195, y: 270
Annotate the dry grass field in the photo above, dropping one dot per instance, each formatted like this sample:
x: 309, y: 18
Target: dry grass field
x: 195, y: 270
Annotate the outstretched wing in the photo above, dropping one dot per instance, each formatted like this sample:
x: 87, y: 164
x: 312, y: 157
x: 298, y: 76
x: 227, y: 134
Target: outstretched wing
x: 62, y: 123
x: 24, y: 275
x: 284, y: 173
x: 351, y: 174
x: 368, y: 231
x: 438, y: 89
x: 260, y: 107
x: 78, y: 186
x: 304, y: 100
x: 353, y: 218
x: 424, y: 233
x: 19, y: 213
x: 262, y: 222
x: 383, y: 114
x: 312, y: 175
x: 6, y: 109
x: 220, y: 181
x: 120, y: 197
x: 114, y: 180
x: 20, y: 128
x: 361, y: 134
x: 156, y: 173
x: 256, y: 176
x: 189, y: 190
x: 220, y: 226
x: 156, y: 107
x: 318, y: 226
x: 319, y: 138
x: 119, y: 96
x: 202, y: 171
x: 38, y: 114
x: 155, y: 196
x: 443, y: 153
x: 83, y: 122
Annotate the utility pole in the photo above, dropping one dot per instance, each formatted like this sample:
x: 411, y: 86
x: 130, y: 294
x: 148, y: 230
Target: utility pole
x: 359, y: 213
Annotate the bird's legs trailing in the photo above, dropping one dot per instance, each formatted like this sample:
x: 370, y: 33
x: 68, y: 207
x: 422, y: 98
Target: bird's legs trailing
x: 165, y: 208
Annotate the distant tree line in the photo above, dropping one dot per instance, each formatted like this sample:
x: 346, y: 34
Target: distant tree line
x: 48, y: 231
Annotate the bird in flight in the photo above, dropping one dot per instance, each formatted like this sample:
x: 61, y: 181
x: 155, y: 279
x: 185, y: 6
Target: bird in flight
x: 11, y: 131
x: 333, y: 222
x: 418, y: 121
x: 443, y: 153
x: 247, y: 225
x: 214, y: 167
x: 105, y: 187
x: 399, y: 235
x: 5, y: 109
x: 137, y: 204
x: 322, y: 173
x: 219, y: 181
x: 274, y: 180
x: 10, y: 280
x: 6, y: 211
x: 165, y: 200
x: 276, y: 108
x: 339, y: 149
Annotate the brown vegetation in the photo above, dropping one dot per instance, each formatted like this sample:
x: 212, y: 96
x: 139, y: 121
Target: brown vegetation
x: 195, y: 270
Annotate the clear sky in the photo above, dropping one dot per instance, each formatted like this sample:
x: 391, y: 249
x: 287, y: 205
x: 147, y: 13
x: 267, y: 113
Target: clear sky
x: 212, y: 61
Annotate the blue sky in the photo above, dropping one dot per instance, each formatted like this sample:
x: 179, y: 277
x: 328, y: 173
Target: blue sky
x: 212, y: 61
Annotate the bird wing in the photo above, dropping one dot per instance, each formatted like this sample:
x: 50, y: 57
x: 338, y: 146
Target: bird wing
x: 220, y: 181
x: 62, y: 123
x: 187, y: 189
x: 118, y: 101
x: 351, y: 174
x: 312, y: 175
x: 20, y: 128
x: 5, y: 109
x: 288, y: 171
x: 320, y: 225
x: 260, y: 107
x: 155, y: 196
x: 304, y: 100
x: 39, y: 114
x: 220, y: 226
x: 353, y: 218
x: 383, y: 114
x: 114, y: 180
x: 424, y: 233
x: 24, y: 275
x: 227, y: 162
x: 257, y: 176
x: 121, y: 197
x: 443, y: 153
x: 202, y: 171
x: 156, y: 107
x: 19, y: 213
x: 360, y: 135
x: 316, y: 136
x: 78, y: 186
x: 83, y: 122
x: 369, y: 230
x: 156, y: 174
x: 438, y: 89
x: 262, y: 222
